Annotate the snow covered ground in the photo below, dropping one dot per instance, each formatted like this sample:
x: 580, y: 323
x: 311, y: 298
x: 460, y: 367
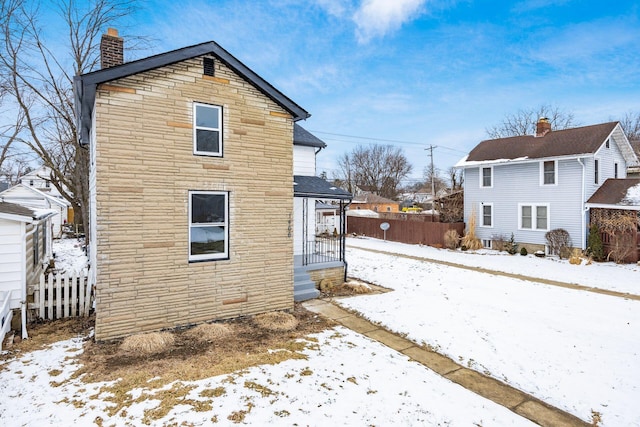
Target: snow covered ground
x: 332, y: 387
x: 574, y: 349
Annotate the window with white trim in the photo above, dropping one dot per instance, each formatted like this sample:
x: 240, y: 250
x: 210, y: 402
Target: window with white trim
x: 548, y: 172
x: 615, y: 170
x: 596, y: 171
x: 486, y: 177
x: 207, y: 129
x: 533, y: 216
x: 208, y: 225
x: 486, y: 215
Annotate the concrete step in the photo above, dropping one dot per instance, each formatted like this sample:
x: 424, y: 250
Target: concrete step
x: 303, y: 287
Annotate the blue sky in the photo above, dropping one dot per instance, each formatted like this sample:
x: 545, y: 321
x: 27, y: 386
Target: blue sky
x: 418, y: 72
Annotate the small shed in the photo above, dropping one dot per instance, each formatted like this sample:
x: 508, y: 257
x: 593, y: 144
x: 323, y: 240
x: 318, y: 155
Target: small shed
x: 615, y: 210
x: 25, y: 251
x: 34, y: 198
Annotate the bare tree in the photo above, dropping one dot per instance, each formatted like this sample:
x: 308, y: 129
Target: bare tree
x: 433, y: 180
x: 346, y: 178
x: 456, y: 178
x: 630, y: 123
x: 524, y: 121
x: 379, y: 167
x: 40, y: 84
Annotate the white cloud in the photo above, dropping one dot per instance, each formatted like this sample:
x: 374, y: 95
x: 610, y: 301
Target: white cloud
x: 376, y: 18
x: 337, y: 8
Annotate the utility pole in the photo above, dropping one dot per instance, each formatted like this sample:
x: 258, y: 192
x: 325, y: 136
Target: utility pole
x: 432, y: 170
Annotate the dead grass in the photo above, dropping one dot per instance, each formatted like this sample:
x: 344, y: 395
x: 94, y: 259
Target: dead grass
x: 276, y: 321
x: 147, y: 344
x: 209, y: 332
x: 201, y: 352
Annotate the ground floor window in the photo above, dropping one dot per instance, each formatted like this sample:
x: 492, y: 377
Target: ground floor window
x: 208, y: 225
x: 486, y: 215
x: 533, y: 216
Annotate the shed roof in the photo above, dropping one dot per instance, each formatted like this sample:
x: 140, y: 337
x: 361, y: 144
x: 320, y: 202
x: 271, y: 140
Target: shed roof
x: 617, y: 193
x: 85, y: 85
x: 313, y: 186
x: 16, y: 212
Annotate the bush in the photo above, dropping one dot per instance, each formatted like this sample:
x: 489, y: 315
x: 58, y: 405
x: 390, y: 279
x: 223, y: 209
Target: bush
x: 451, y: 239
x: 499, y: 242
x: 595, y: 248
x: 523, y: 251
x: 511, y: 246
x: 559, y: 242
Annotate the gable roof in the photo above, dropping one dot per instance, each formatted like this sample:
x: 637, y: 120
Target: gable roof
x: 373, y: 198
x: 85, y: 85
x: 583, y: 140
x: 313, y: 186
x: 617, y: 194
x: 37, y: 194
x: 303, y: 137
x: 15, y: 212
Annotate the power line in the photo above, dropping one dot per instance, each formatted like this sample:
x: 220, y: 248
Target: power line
x: 380, y: 140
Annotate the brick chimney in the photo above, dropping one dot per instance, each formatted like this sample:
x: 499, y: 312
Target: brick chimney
x: 543, y: 127
x: 111, y: 49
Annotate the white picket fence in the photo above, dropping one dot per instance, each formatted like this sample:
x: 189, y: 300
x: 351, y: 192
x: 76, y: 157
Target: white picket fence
x: 64, y: 295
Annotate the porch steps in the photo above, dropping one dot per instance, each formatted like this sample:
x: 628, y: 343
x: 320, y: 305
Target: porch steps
x: 303, y: 287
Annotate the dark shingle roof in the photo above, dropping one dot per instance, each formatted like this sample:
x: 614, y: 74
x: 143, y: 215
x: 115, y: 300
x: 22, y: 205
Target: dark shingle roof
x: 614, y: 192
x: 301, y: 136
x: 312, y: 186
x: 581, y: 140
x: 372, y: 198
x: 14, y: 209
x: 85, y: 85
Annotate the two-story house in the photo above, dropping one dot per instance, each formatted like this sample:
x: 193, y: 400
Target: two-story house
x: 528, y: 185
x: 191, y: 188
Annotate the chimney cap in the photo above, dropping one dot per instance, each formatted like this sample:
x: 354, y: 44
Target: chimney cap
x: 543, y: 120
x: 112, y: 32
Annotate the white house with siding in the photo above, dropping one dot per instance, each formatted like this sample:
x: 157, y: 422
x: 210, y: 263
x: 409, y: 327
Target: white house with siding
x: 25, y: 251
x: 529, y: 185
x: 32, y: 197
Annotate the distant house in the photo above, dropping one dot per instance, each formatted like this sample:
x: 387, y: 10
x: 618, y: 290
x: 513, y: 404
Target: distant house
x: 202, y: 191
x: 528, y: 185
x: 40, y: 179
x: 373, y: 202
x: 25, y: 246
x: 32, y: 197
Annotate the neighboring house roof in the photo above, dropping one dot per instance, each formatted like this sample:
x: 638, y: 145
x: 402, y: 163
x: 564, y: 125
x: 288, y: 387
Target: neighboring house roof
x: 37, y: 194
x: 85, y: 85
x: 15, y: 212
x: 313, y: 186
x: 558, y: 143
x: 326, y: 206
x: 367, y: 213
x: 617, y: 194
x: 301, y: 136
x: 373, y: 199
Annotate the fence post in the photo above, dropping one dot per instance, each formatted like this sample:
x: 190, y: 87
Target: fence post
x: 58, y: 296
x: 50, y: 287
x: 87, y: 292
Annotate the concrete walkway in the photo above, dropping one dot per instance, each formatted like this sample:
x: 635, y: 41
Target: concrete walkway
x: 512, y: 275
x: 515, y: 400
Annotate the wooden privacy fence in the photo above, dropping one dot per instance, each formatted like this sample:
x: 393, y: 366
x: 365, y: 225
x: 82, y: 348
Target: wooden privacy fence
x: 412, y: 232
x: 64, y: 295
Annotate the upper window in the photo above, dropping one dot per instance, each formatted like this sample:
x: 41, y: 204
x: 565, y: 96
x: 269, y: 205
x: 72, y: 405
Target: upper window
x: 486, y: 219
x: 486, y: 177
x: 615, y: 170
x: 207, y: 129
x: 534, y: 217
x: 208, y: 225
x: 607, y: 144
x: 596, y: 171
x: 549, y: 172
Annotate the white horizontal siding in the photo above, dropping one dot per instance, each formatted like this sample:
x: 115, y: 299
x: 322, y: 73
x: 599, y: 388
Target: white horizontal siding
x: 11, y: 259
x: 515, y: 184
x: 304, y: 160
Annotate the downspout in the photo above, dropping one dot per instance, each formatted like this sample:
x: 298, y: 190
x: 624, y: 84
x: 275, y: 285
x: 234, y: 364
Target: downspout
x: 583, y: 208
x: 23, y: 302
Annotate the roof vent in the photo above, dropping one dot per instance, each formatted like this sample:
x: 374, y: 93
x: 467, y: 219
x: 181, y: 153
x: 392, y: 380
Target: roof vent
x: 209, y: 69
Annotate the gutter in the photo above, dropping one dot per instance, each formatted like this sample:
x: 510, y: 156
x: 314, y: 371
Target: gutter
x: 584, y: 208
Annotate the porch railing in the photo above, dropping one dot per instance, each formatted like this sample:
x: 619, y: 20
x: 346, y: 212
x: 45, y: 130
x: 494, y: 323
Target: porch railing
x: 323, y: 249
